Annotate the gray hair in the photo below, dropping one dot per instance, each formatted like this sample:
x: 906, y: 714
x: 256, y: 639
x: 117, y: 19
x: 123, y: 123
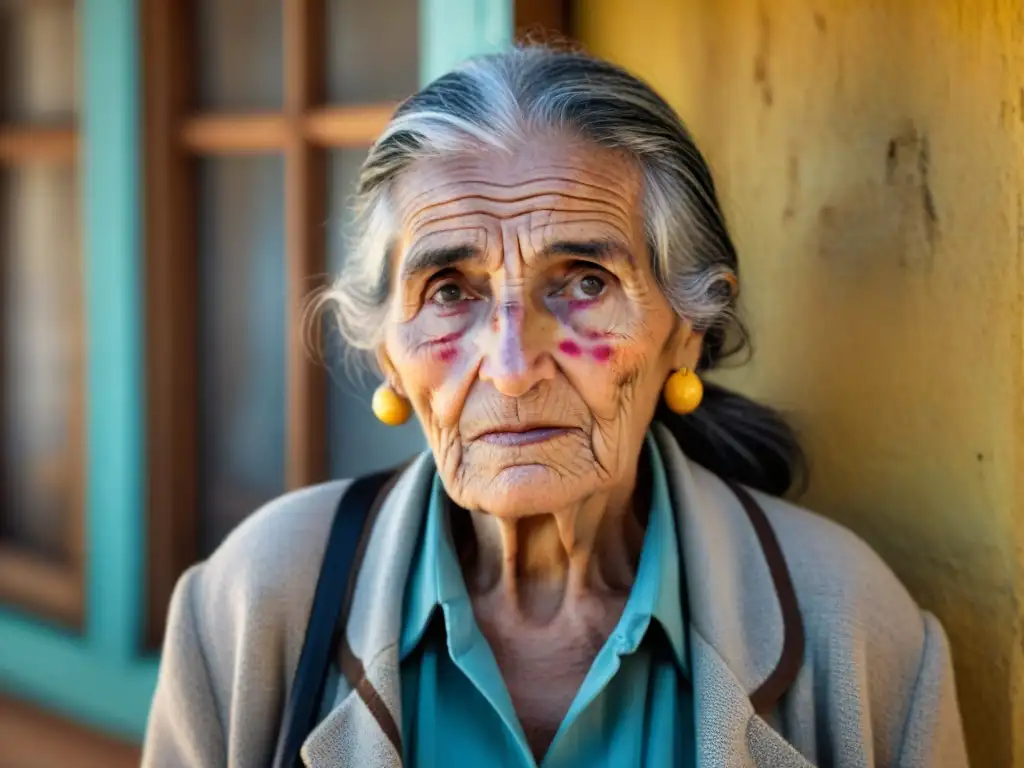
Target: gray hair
x: 498, y: 100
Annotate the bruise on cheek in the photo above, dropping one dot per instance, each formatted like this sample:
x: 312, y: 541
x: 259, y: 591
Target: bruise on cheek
x: 585, y: 333
x: 446, y: 348
x: 570, y: 348
x: 576, y: 305
x: 600, y: 345
x: 600, y: 353
x: 599, y: 349
x: 455, y: 311
x: 417, y: 340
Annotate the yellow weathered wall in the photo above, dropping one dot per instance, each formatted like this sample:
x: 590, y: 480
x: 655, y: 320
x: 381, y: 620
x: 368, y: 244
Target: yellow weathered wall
x: 871, y: 159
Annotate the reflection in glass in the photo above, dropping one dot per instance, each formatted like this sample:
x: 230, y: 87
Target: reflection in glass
x: 38, y: 61
x: 241, y: 54
x: 242, y: 341
x: 372, y: 50
x: 41, y: 354
x: 357, y: 442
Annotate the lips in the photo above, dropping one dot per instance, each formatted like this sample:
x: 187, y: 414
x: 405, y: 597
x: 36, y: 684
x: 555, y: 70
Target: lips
x: 522, y: 434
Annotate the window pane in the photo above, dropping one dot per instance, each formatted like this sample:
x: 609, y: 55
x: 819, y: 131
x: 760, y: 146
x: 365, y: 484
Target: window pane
x: 40, y: 356
x: 372, y: 49
x: 38, y: 61
x: 358, y: 443
x: 242, y: 340
x: 241, y: 61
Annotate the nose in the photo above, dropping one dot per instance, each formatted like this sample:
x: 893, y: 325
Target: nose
x: 517, y: 360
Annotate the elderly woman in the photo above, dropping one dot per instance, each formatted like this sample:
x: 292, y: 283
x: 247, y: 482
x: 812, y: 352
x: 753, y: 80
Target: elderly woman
x: 592, y: 565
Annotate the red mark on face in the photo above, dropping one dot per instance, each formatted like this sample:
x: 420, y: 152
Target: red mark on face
x: 575, y: 305
x: 444, y: 348
x: 570, y: 348
x: 602, y: 353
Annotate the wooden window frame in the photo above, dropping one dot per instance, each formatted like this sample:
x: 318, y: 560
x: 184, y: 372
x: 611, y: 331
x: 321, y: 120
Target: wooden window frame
x: 33, y: 736
x: 48, y: 589
x: 175, y: 135
x: 547, y: 21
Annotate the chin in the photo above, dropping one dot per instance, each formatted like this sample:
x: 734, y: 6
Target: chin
x: 522, y: 490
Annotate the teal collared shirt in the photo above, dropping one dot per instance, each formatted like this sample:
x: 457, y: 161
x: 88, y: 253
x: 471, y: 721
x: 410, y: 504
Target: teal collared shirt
x: 634, y: 708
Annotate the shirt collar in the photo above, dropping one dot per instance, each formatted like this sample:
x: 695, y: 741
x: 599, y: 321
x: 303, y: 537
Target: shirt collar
x: 436, y: 577
x: 424, y: 590
x: 662, y: 539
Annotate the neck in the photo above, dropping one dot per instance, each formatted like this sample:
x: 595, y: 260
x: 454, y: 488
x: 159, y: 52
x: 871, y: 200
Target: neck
x: 538, y: 563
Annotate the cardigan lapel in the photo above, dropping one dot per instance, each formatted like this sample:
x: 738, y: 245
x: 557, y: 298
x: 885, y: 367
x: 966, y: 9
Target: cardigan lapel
x: 721, y: 708
x: 362, y: 729
x: 745, y: 629
x: 729, y: 732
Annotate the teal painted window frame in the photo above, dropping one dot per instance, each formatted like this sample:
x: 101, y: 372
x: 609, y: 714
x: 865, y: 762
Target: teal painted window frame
x: 99, y: 678
x: 453, y: 30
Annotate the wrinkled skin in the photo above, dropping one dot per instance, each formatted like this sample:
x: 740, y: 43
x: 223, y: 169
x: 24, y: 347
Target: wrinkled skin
x: 523, y: 298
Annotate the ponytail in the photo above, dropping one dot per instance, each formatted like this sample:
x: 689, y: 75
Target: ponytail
x: 739, y: 440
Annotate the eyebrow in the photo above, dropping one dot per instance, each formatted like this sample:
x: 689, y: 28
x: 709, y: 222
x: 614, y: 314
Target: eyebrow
x: 598, y: 250
x: 429, y: 259
x: 444, y: 257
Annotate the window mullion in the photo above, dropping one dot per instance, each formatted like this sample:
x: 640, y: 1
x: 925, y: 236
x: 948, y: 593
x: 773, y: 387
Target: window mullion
x: 305, y: 210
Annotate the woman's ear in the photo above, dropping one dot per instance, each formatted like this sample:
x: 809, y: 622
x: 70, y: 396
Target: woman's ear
x: 686, y: 347
x: 387, y: 370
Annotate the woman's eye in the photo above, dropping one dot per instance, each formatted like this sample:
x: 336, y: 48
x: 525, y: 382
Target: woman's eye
x: 589, y: 287
x: 448, y: 293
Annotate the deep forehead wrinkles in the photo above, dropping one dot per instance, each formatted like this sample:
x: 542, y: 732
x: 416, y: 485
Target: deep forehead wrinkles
x: 462, y: 213
x: 574, y: 183
x: 490, y: 190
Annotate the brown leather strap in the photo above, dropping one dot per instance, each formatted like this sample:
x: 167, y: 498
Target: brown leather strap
x: 791, y: 659
x: 352, y: 669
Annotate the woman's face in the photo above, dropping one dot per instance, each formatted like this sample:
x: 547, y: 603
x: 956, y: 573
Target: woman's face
x: 526, y: 327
